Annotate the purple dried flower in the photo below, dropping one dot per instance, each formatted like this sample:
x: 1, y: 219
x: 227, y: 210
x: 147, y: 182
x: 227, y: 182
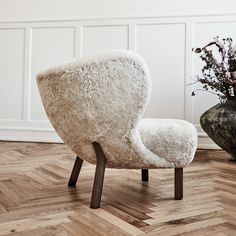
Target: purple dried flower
x: 219, y: 77
x: 197, y: 50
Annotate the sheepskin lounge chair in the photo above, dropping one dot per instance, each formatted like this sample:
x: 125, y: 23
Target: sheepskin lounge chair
x: 96, y: 106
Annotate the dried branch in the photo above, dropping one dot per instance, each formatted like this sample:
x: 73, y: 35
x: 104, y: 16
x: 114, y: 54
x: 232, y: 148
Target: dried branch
x: 219, y: 76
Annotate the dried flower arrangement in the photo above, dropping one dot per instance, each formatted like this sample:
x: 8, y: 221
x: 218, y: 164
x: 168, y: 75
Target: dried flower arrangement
x: 218, y: 77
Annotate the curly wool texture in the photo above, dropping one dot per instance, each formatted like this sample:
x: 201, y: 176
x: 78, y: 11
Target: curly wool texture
x: 102, y: 99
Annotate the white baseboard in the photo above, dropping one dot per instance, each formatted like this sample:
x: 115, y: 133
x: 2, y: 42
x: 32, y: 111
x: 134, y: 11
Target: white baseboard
x: 206, y: 143
x: 50, y: 136
x: 30, y: 136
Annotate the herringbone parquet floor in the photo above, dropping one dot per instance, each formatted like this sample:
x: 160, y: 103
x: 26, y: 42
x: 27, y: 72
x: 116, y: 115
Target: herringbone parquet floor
x: 35, y: 199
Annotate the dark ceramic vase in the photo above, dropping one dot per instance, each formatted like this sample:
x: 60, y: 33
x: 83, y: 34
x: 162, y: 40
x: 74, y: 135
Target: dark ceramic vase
x: 219, y: 122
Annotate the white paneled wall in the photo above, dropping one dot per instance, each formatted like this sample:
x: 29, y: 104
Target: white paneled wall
x: 165, y: 43
x: 163, y: 47
x: 50, y: 46
x: 102, y: 37
x: 11, y: 74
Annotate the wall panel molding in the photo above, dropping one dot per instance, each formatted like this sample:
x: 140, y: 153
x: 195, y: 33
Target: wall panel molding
x: 12, y: 56
x: 189, y: 30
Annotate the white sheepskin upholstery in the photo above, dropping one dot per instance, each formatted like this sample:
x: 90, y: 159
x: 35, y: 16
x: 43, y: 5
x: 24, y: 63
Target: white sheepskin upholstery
x: 102, y: 99
x: 171, y: 139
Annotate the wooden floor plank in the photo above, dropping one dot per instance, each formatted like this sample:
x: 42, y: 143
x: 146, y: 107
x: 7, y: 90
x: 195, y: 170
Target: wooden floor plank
x: 35, y: 198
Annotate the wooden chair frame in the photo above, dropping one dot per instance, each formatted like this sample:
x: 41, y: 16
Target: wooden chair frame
x: 100, y: 172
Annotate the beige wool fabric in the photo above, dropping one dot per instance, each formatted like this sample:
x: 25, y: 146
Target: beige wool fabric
x: 102, y: 99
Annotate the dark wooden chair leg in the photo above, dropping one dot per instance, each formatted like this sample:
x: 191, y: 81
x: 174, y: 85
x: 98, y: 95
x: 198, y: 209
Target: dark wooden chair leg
x: 178, y: 183
x: 99, y: 176
x: 145, y: 175
x: 75, y: 171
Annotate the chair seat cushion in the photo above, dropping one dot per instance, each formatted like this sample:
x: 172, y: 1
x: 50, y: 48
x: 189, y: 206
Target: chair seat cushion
x: 171, y: 139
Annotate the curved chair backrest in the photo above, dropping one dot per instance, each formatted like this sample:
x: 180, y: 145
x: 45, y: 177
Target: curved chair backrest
x: 98, y: 99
